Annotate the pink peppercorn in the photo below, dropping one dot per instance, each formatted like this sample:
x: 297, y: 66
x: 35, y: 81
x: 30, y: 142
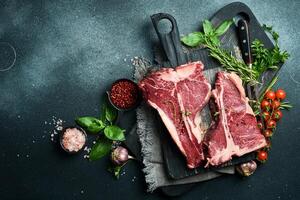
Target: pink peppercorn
x: 124, y: 94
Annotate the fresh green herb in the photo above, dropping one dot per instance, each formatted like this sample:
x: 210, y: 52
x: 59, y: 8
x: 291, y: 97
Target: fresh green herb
x: 208, y: 28
x: 285, y: 105
x: 106, y: 124
x: 264, y: 58
x: 91, y: 124
x: 109, y: 114
x: 115, y: 169
x: 193, y: 39
x: 271, y: 84
x: 216, y: 114
x: 210, y: 39
x: 100, y: 149
x: 113, y: 132
x: 186, y: 113
x: 223, y: 27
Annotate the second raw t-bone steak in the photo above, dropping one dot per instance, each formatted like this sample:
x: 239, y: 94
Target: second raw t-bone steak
x: 236, y: 131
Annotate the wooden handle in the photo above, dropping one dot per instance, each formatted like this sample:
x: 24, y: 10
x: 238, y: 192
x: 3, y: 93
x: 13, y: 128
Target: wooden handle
x: 170, y: 41
x: 244, y: 39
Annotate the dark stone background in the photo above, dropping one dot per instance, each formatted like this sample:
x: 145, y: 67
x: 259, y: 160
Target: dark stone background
x: 68, y: 52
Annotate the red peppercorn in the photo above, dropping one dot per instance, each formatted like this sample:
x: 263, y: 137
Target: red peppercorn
x: 124, y: 94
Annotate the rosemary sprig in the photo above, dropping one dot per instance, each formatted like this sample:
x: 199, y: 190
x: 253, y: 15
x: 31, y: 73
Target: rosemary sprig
x: 230, y: 63
x: 264, y: 58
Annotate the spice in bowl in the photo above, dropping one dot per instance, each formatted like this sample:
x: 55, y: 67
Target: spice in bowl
x: 73, y: 139
x: 124, y: 94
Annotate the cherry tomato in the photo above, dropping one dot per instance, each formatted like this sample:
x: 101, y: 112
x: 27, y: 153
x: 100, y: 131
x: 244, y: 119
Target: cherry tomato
x: 270, y: 95
x: 265, y: 104
x: 262, y: 155
x: 266, y: 115
x: 268, y: 133
x: 275, y: 104
x: 271, y: 123
x: 277, y: 115
x: 280, y: 94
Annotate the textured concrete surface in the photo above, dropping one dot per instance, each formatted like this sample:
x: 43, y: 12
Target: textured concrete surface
x: 68, y: 52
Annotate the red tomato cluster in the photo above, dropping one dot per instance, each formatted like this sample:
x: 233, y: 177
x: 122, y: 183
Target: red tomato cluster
x: 271, y: 114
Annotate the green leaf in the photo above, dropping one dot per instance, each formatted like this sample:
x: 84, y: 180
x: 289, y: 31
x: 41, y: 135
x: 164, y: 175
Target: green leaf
x: 215, y: 40
x: 115, y: 170
x: 111, y: 113
x: 91, y: 124
x: 100, y: 149
x: 114, y: 133
x: 207, y: 27
x: 223, y: 27
x: 103, y: 110
x: 193, y: 39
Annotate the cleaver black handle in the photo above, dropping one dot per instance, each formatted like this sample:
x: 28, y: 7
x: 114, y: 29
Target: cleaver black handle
x: 170, y: 41
x: 244, y: 40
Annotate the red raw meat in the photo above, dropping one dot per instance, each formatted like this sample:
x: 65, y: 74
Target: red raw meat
x: 179, y: 95
x: 236, y: 132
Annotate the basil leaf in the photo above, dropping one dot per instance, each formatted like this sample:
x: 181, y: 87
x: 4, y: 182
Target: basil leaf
x: 100, y: 149
x: 223, y: 27
x: 193, y: 39
x: 103, y: 111
x: 91, y: 124
x: 215, y: 40
x: 207, y: 27
x: 111, y: 113
x: 114, y: 133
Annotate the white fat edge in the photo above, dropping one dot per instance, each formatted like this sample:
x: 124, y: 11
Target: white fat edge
x: 170, y: 126
x: 231, y: 148
x: 180, y: 73
x: 243, y: 151
x: 186, y: 70
x: 184, y: 117
x: 239, y: 85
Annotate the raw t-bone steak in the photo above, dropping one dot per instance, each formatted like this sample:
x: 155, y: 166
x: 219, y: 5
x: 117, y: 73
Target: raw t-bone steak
x: 236, y: 131
x: 179, y: 95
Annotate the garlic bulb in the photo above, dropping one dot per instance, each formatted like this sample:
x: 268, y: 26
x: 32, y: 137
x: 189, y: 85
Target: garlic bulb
x: 119, y: 155
x: 246, y: 169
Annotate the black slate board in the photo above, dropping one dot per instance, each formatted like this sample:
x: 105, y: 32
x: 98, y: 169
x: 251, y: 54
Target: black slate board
x: 175, y: 162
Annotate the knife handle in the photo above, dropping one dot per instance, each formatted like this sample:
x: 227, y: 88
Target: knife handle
x: 244, y: 40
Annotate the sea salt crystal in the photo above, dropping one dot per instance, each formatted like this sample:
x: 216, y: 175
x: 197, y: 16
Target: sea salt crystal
x: 133, y: 179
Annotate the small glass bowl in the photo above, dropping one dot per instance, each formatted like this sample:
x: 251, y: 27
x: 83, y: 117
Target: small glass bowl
x: 61, y: 139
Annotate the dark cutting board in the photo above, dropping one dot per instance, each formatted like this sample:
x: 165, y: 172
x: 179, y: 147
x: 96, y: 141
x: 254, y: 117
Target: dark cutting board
x: 175, y: 162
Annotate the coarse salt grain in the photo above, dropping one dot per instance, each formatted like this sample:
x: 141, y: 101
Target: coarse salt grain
x: 73, y: 139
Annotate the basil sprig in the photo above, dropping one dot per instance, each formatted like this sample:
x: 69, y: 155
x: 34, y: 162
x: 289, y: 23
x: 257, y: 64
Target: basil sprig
x: 104, y: 124
x: 209, y: 34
